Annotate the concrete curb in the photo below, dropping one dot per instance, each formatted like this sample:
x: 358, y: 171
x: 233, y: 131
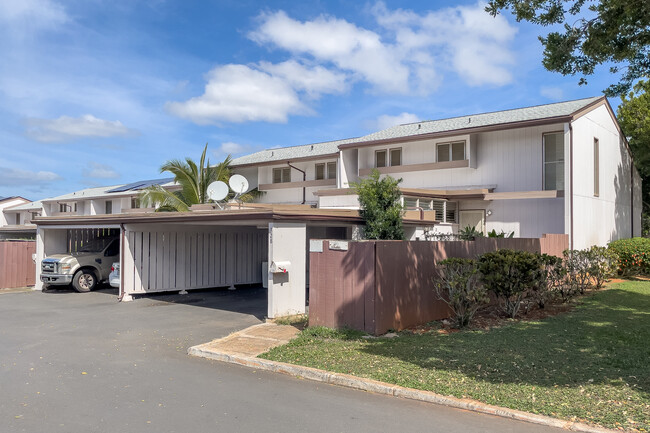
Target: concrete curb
x: 377, y: 387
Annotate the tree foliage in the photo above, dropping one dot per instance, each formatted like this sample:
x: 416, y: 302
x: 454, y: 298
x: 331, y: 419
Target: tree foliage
x: 193, y: 179
x: 381, y: 208
x: 613, y: 32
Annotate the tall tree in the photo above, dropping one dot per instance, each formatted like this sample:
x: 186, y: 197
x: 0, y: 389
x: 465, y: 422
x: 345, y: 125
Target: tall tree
x: 193, y: 179
x: 381, y: 207
x: 634, y: 117
x: 613, y: 32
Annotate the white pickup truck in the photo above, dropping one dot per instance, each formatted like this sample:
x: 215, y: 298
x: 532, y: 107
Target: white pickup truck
x: 84, y: 268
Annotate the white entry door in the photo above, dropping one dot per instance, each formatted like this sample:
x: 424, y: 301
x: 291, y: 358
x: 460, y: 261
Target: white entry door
x: 472, y: 218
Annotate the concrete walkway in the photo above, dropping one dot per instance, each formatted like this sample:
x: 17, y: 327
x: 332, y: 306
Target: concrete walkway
x: 251, y: 341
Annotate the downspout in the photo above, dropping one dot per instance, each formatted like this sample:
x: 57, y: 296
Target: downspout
x: 304, y: 178
x: 121, y: 290
x: 571, y: 183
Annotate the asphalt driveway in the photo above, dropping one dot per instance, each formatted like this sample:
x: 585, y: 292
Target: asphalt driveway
x: 72, y: 362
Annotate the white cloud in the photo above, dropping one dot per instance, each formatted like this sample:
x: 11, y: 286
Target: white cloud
x: 338, y: 41
x: 313, y: 81
x: 233, y: 148
x: 472, y: 42
x: 405, y: 54
x: 17, y: 177
x: 551, y: 92
x: 386, y: 121
x: 32, y: 13
x: 267, y: 92
x: 69, y: 128
x: 100, y: 171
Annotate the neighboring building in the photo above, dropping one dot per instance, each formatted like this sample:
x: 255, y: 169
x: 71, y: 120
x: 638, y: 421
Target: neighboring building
x: 12, y: 224
x: 103, y: 200
x: 556, y: 168
x: 17, y: 213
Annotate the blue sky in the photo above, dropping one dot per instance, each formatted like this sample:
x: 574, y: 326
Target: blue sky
x: 96, y: 92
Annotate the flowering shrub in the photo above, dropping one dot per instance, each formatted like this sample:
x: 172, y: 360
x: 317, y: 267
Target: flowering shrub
x: 633, y: 255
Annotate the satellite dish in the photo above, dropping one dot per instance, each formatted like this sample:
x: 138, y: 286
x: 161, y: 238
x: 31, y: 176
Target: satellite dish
x: 217, y: 190
x: 238, y: 183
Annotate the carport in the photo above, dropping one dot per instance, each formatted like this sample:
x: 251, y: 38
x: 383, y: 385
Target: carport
x: 177, y: 252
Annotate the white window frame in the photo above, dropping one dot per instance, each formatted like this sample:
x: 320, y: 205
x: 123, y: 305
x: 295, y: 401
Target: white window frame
x: 386, y: 156
x: 544, y: 162
x: 283, y: 170
x: 451, y: 150
x: 390, y: 157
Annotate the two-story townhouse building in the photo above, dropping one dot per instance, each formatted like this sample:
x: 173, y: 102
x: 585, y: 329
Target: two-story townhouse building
x: 103, y: 200
x: 555, y: 168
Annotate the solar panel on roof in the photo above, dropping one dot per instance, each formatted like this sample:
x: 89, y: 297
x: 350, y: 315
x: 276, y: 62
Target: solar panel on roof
x: 136, y: 186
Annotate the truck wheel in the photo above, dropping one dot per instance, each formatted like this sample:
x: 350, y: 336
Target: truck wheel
x: 84, y: 281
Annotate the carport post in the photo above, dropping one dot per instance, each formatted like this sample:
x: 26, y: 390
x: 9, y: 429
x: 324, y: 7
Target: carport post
x: 48, y: 241
x: 287, y: 251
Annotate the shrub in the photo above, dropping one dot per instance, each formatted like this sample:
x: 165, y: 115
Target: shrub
x: 458, y: 284
x: 551, y: 280
x: 633, y: 255
x: 501, y: 234
x: 509, y: 274
x: 381, y: 208
x: 577, y: 264
x: 602, y: 264
x: 469, y: 233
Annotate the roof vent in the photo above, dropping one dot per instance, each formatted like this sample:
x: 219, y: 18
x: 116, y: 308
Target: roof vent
x: 419, y: 125
x: 271, y: 153
x: 469, y: 120
x: 312, y: 147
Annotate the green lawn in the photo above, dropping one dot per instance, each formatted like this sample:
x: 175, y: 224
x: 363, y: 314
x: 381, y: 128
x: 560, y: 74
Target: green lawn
x: 592, y: 364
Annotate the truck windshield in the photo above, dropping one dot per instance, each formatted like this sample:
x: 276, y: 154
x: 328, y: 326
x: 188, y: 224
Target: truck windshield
x: 93, y: 247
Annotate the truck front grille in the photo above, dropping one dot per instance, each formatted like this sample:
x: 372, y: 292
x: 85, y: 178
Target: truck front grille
x: 48, y: 267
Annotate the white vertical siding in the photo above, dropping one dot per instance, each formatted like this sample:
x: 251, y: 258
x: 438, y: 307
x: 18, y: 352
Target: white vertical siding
x: 598, y: 220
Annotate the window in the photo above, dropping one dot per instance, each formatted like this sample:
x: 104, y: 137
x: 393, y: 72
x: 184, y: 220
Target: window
x: 17, y: 219
x: 135, y: 203
x: 282, y: 175
x: 554, y: 161
x: 35, y: 214
x: 395, y: 157
x: 75, y: 207
x: 380, y: 158
x: 109, y: 206
x: 445, y: 211
x: 596, y: 168
x: 331, y: 170
x: 63, y: 208
x: 450, y: 211
x: 320, y: 171
x: 411, y: 202
x: 454, y: 151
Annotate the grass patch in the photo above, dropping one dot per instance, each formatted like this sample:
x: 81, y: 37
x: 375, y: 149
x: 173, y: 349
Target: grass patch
x: 298, y: 320
x: 589, y: 365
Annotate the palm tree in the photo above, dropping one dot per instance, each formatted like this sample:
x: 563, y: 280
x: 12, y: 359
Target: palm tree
x: 194, y: 180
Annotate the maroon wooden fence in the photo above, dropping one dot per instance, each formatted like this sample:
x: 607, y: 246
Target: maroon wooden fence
x: 376, y: 286
x: 17, y: 268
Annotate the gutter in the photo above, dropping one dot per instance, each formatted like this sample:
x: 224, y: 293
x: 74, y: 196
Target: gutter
x: 571, y: 184
x: 120, y: 294
x: 304, y: 179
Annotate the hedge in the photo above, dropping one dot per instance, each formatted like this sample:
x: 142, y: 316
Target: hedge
x: 633, y: 255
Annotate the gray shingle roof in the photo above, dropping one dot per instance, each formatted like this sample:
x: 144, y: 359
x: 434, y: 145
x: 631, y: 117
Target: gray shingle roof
x: 474, y: 120
x: 484, y: 119
x: 98, y: 192
x: 293, y: 152
x: 32, y: 205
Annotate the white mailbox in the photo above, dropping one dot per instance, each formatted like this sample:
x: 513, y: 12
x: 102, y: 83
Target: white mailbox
x: 280, y: 267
